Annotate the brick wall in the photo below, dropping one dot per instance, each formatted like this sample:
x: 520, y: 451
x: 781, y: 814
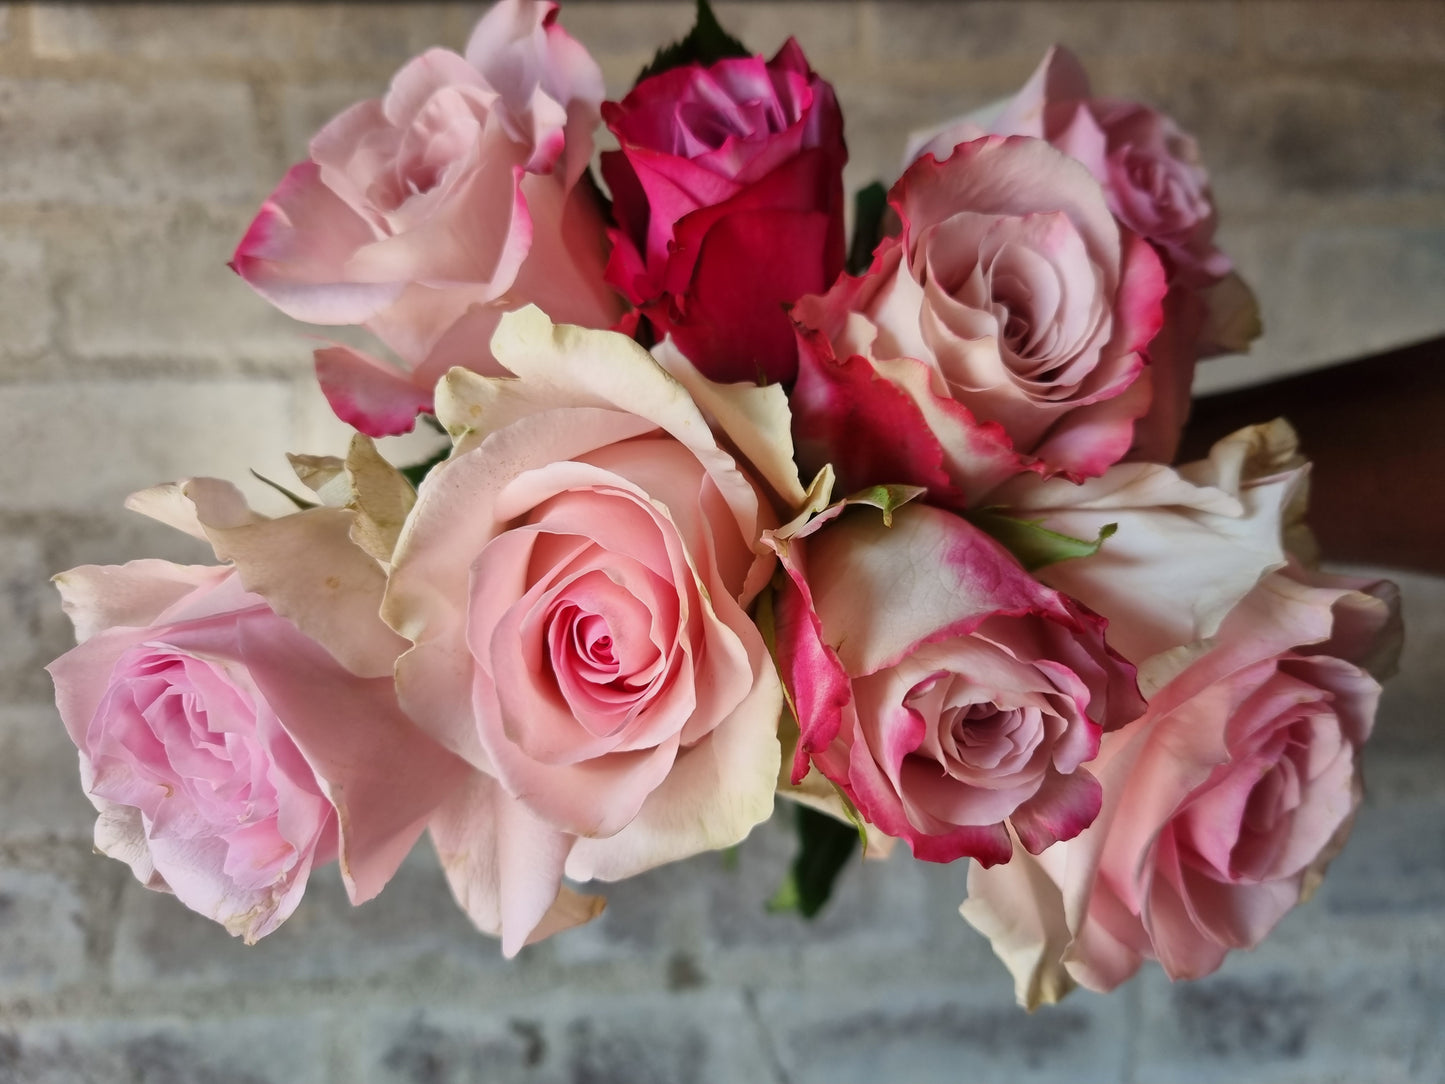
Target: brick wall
x: 137, y: 142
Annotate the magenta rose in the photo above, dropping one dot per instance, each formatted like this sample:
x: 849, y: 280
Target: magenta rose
x: 718, y: 165
x: 576, y: 580
x: 1005, y: 329
x: 425, y: 214
x: 950, y: 696
x: 1222, y: 805
x: 229, y: 754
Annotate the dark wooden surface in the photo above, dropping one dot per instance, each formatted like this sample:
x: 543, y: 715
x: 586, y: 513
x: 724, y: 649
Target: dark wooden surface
x: 1375, y: 431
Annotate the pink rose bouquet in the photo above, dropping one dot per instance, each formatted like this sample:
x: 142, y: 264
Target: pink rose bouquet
x: 720, y: 523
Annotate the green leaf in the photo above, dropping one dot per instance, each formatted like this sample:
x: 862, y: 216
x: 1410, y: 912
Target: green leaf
x: 705, y: 44
x: 1034, y: 544
x: 868, y: 206
x: 300, y: 502
x: 417, y: 471
x: 824, y: 847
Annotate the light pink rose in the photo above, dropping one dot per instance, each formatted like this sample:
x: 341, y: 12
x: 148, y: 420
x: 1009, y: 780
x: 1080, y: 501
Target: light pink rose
x: 425, y: 214
x: 228, y: 753
x: 1004, y: 330
x: 945, y: 691
x: 1190, y: 542
x: 576, y: 580
x: 1156, y: 184
x: 1222, y: 805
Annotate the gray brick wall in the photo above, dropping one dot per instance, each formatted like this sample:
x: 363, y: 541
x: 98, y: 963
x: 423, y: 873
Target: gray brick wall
x: 137, y: 141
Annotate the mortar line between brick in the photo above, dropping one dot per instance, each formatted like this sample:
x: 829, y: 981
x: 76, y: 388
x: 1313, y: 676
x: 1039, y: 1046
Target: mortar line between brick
x: 765, y: 1037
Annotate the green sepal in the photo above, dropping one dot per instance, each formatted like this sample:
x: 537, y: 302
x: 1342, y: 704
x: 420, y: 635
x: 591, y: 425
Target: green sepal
x: 825, y: 845
x: 706, y: 43
x: 887, y: 499
x: 300, y: 502
x: 869, y: 203
x: 1034, y: 544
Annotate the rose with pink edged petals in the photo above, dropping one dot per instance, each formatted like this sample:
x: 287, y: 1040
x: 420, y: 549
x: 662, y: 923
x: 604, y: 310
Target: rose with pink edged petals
x: 718, y: 164
x: 946, y: 692
x: 575, y: 580
x: 228, y: 752
x: 1222, y: 805
x: 425, y: 214
x: 1156, y: 184
x: 1005, y: 328
x: 1151, y: 170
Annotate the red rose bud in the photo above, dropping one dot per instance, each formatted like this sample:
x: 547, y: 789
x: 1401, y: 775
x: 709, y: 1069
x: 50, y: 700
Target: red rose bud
x: 717, y: 165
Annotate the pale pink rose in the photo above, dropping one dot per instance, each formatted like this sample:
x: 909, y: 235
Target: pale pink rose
x: 1222, y: 805
x: 425, y: 214
x: 947, y: 693
x: 1156, y: 184
x: 576, y: 579
x: 1004, y: 330
x: 1190, y: 541
x: 228, y: 753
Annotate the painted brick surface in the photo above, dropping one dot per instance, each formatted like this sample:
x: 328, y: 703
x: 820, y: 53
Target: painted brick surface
x: 127, y: 144
x: 177, y: 306
x: 991, y: 30
x: 150, y: 32
x: 25, y: 300
x: 1347, y: 30
x: 152, y: 431
x: 167, y: 1050
x: 40, y: 796
x: 42, y: 933
x: 900, y: 1030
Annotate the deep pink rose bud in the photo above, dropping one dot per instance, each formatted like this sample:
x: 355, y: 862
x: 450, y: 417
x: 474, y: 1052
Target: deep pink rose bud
x: 728, y: 193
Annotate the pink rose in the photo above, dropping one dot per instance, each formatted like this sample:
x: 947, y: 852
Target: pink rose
x: 1190, y: 541
x: 1004, y: 330
x: 425, y: 214
x: 576, y: 581
x: 1151, y: 170
x: 1222, y: 805
x: 718, y: 166
x: 228, y: 753
x: 1156, y: 184
x: 945, y: 691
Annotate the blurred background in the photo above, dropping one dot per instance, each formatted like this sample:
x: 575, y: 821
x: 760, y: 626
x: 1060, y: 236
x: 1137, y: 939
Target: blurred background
x: 136, y: 142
